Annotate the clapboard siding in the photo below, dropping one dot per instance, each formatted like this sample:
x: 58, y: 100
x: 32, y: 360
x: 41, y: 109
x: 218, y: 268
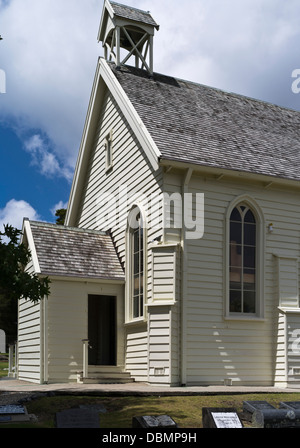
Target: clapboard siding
x: 293, y: 349
x: 67, y: 310
x: 131, y: 172
x: 218, y: 348
x: 136, y: 356
x: 29, y: 338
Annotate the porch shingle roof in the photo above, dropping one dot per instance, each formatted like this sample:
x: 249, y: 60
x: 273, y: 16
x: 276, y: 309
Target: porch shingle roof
x: 71, y: 252
x: 196, y: 124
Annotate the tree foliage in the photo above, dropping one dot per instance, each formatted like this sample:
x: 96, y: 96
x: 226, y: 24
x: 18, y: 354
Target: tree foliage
x: 61, y: 215
x: 15, y: 282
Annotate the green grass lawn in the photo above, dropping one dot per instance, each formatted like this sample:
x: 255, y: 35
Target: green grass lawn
x: 185, y: 410
x: 3, y: 366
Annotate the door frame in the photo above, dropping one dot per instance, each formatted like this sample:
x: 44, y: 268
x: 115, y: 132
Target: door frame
x: 113, y: 290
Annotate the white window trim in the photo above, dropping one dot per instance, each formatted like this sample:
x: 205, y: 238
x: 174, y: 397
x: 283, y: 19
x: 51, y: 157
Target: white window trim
x: 108, y: 145
x: 128, y: 270
x: 260, y: 260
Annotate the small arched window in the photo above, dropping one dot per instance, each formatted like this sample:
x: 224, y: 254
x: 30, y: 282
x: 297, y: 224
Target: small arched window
x: 243, y: 261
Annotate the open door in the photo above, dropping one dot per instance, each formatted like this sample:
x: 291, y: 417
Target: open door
x: 102, y: 330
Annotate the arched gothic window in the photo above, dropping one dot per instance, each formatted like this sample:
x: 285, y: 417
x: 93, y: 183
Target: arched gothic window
x: 135, y: 276
x: 243, y: 261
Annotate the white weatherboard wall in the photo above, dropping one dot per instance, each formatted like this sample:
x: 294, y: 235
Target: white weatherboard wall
x: 68, y: 325
x: 132, y: 174
x: 293, y: 348
x: 220, y: 347
x: 29, y: 341
x: 30, y: 350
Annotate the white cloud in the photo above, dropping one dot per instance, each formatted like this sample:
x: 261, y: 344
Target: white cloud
x: 58, y: 206
x: 14, y: 212
x: 44, y: 159
x: 50, y: 50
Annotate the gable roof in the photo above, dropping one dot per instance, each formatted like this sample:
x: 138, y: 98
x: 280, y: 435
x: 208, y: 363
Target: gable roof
x: 71, y: 252
x: 195, y: 124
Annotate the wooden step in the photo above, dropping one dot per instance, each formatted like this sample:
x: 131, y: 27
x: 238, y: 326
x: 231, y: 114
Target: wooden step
x: 105, y: 375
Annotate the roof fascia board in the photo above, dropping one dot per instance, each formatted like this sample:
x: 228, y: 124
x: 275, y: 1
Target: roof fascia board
x: 104, y: 76
x: 31, y: 246
x: 131, y: 115
x: 224, y: 172
x: 87, y: 139
x: 71, y: 278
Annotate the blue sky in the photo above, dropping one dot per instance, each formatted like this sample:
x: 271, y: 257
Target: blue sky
x: 49, y: 53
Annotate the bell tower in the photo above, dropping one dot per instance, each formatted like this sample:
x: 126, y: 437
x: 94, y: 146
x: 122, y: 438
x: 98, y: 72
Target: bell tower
x: 127, y: 32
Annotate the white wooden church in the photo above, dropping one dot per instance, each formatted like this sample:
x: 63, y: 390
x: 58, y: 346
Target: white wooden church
x: 178, y: 260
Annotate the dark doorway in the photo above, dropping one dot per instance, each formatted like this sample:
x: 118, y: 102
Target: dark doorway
x: 102, y: 330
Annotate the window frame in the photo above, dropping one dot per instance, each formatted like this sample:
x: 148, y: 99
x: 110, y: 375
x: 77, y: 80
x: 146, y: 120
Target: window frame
x: 108, y: 145
x: 129, y: 267
x: 259, y: 260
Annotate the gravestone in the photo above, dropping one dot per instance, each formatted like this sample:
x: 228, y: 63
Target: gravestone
x: 13, y: 413
x: 253, y: 406
x: 150, y: 421
x: 220, y: 418
x: 294, y: 405
x: 276, y: 418
x: 77, y: 418
x: 94, y: 407
x: 264, y: 415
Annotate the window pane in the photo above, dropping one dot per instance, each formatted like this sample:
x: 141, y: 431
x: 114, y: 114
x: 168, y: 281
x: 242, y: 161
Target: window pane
x: 249, y: 257
x: 249, y: 217
x: 249, y: 302
x: 235, y: 215
x: 136, y: 306
x: 235, y: 255
x: 249, y: 234
x: 136, y: 263
x: 235, y: 305
x: 236, y: 232
x: 235, y: 278
x: 135, y: 241
x: 249, y: 279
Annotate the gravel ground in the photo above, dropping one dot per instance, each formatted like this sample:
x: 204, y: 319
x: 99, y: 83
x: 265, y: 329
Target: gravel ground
x: 7, y: 398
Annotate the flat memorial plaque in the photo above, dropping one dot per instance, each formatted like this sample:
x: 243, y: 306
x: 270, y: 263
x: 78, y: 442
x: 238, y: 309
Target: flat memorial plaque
x: 77, y: 418
x: 226, y: 420
x: 220, y: 418
x: 12, y: 409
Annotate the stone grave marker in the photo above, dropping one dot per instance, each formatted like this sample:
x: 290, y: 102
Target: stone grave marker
x: 77, y: 418
x: 151, y: 421
x: 220, y: 418
x: 294, y: 405
x: 13, y: 413
x: 253, y: 406
x: 276, y: 418
x: 264, y: 415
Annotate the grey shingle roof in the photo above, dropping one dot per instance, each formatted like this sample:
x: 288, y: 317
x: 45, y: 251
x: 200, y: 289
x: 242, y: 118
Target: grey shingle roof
x: 71, y: 252
x: 130, y: 13
x: 197, y: 124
